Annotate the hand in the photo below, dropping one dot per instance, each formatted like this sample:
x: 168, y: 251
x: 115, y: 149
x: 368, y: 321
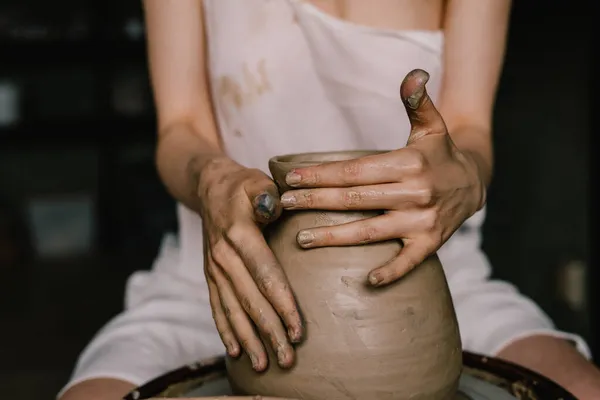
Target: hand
x: 247, y: 285
x: 427, y: 190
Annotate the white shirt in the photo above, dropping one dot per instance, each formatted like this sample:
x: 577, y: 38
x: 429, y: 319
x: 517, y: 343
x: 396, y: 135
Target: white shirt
x: 288, y: 78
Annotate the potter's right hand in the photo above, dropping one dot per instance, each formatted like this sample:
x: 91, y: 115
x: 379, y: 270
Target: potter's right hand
x: 247, y: 285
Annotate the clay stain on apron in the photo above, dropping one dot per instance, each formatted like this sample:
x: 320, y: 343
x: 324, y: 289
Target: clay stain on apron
x: 239, y: 91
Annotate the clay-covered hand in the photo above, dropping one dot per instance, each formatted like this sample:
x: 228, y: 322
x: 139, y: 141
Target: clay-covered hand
x: 246, y: 283
x: 426, y: 189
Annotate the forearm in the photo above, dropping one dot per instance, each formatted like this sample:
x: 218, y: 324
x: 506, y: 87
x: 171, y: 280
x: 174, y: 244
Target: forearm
x: 559, y: 361
x: 181, y: 155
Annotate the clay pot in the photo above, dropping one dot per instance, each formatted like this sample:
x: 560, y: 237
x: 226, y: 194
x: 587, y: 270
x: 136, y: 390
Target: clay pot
x: 397, y: 342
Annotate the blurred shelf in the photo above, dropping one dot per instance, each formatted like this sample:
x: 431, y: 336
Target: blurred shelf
x: 15, y: 53
x: 78, y: 131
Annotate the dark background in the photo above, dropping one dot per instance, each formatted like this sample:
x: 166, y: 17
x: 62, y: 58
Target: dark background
x: 81, y: 206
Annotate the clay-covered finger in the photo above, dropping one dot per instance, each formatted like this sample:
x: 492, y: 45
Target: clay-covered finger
x: 241, y: 324
x: 365, y: 231
x: 388, y: 226
x: 223, y: 327
x: 264, y: 197
x: 410, y: 256
x: 256, y: 306
x: 423, y: 116
x: 413, y: 193
x: 376, y: 197
x: 374, y: 169
x: 269, y: 277
x: 265, y: 319
x: 267, y: 207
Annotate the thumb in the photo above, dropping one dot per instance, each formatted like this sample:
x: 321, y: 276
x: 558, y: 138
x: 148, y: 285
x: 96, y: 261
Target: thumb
x: 265, y: 201
x: 423, y: 116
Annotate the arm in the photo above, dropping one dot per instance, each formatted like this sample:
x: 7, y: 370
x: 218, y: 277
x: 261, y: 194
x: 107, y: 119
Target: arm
x: 171, y: 324
x: 475, y: 42
x: 475, y: 33
x: 188, y: 135
x: 233, y: 201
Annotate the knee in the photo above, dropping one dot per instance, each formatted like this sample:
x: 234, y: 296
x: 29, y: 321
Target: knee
x: 98, y: 389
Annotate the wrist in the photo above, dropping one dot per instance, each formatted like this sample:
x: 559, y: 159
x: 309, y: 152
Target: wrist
x: 208, y: 169
x: 480, y: 178
x: 205, y: 167
x: 181, y: 154
x: 474, y: 143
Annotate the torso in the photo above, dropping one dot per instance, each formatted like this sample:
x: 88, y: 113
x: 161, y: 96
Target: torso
x: 292, y: 76
x: 388, y: 14
x: 288, y: 76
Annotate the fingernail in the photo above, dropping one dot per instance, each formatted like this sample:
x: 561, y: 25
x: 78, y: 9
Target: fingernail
x: 254, y: 360
x: 305, y: 238
x: 292, y: 178
x: 288, y: 200
x: 265, y: 203
x: 232, y: 350
x: 282, y: 358
x: 294, y: 335
x: 414, y: 99
x: 375, y: 279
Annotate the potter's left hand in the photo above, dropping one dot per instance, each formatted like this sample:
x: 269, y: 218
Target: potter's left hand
x: 427, y: 190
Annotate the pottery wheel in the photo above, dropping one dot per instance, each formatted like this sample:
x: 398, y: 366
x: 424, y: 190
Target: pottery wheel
x: 470, y: 389
x: 483, y: 378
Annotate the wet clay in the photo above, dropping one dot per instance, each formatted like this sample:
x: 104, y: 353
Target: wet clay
x: 397, y: 342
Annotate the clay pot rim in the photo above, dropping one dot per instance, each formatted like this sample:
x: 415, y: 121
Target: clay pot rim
x: 320, y: 157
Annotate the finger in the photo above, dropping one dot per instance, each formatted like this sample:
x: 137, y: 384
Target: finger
x: 411, y: 255
x: 423, y: 116
x: 369, y: 170
x: 371, y: 197
x: 257, y: 307
x: 376, y: 229
x: 221, y: 319
x: 267, y: 207
x: 264, y: 196
x: 240, y: 322
x: 365, y: 231
x: 266, y: 271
